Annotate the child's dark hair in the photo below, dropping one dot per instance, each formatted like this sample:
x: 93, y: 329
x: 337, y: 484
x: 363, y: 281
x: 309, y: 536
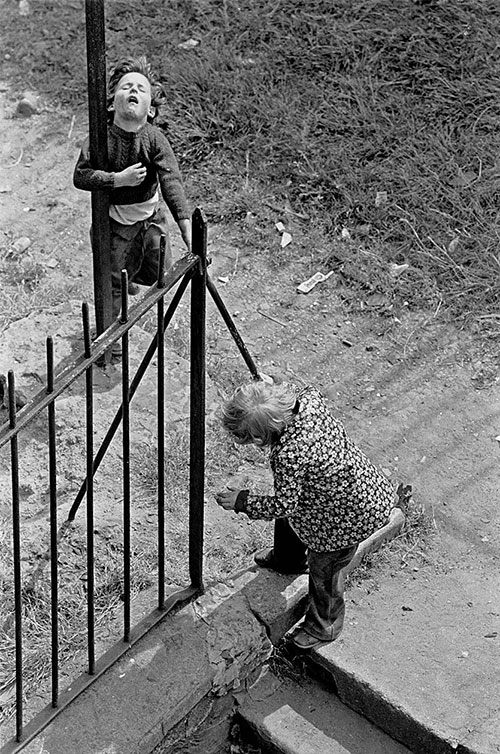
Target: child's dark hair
x: 136, y: 65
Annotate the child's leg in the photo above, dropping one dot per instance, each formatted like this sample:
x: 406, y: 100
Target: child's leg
x: 288, y: 554
x: 289, y: 550
x: 324, y: 618
x: 155, y: 227
x: 124, y: 240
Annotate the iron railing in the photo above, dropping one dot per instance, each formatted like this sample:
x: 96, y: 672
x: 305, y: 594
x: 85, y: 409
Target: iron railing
x: 191, y: 269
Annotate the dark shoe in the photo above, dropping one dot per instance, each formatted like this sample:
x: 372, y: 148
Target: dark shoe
x: 305, y: 642
x: 404, y: 496
x: 265, y: 559
x: 133, y: 289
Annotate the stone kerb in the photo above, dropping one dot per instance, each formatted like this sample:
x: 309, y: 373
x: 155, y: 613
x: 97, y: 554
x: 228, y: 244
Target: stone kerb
x: 170, y: 683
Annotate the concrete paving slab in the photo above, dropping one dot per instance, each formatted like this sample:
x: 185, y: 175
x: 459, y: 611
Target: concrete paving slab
x: 426, y: 672
x: 420, y: 652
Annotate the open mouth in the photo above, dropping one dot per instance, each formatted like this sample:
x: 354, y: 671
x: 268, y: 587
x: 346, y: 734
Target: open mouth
x: 133, y: 99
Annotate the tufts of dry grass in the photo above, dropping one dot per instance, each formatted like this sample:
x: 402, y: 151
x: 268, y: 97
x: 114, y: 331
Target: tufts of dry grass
x: 72, y: 608
x: 26, y: 287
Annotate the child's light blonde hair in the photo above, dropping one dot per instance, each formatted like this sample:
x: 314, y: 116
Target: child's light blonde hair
x: 258, y: 413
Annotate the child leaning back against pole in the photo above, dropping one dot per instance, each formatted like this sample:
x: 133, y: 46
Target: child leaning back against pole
x: 328, y: 497
x: 141, y: 172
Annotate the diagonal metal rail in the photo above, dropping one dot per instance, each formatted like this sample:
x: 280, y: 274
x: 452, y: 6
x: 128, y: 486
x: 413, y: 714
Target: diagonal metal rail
x: 147, y: 360
x: 148, y: 356
x: 100, y: 346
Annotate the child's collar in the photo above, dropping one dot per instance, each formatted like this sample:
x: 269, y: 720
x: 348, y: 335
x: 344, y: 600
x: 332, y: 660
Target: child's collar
x: 127, y: 134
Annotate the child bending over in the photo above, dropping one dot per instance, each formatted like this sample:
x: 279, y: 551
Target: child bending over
x: 141, y: 170
x: 327, y: 498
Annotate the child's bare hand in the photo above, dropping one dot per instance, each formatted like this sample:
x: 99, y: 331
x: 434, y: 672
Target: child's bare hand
x: 227, y: 499
x: 185, y: 228
x: 131, y: 176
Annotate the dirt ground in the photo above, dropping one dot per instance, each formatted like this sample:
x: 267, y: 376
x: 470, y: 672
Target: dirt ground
x: 410, y: 387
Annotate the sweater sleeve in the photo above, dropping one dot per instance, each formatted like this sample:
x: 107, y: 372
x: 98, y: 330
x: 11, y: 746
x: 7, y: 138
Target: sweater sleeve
x: 169, y: 177
x: 288, y: 485
x: 86, y: 177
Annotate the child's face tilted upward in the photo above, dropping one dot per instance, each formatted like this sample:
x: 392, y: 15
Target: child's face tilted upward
x: 132, y: 101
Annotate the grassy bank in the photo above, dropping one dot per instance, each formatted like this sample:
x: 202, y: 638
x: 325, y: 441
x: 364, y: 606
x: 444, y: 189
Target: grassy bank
x: 377, y: 120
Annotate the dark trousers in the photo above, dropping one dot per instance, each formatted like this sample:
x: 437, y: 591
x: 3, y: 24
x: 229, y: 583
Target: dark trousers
x: 136, y: 248
x: 324, y: 617
x: 289, y: 551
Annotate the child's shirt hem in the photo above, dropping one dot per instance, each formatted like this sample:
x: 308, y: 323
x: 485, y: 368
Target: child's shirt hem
x: 129, y: 214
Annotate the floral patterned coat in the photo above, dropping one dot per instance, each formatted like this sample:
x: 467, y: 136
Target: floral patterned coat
x: 332, y: 495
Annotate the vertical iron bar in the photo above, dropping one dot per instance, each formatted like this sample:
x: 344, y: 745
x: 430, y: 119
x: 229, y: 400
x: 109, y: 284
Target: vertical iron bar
x: 16, y: 554
x: 96, y: 76
x: 161, y: 427
x: 197, y: 403
x: 126, y: 461
x: 90, y: 491
x: 53, y: 526
x: 124, y: 297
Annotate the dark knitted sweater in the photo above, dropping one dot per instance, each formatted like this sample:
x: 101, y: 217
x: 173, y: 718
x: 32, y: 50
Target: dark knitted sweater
x: 150, y: 147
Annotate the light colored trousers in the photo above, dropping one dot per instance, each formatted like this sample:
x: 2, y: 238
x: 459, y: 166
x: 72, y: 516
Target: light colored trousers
x: 324, y: 618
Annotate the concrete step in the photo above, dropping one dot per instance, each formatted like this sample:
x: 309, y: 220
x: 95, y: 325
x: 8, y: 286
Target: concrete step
x: 418, y: 665
x: 285, y: 716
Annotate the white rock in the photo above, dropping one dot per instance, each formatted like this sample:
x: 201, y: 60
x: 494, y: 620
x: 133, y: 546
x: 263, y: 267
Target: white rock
x: 22, y: 244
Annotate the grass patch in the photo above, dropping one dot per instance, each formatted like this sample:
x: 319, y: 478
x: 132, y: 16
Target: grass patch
x: 72, y: 607
x: 376, y: 119
x: 26, y: 287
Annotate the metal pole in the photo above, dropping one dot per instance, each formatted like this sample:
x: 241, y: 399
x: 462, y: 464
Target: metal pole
x: 232, y: 329
x: 89, y: 448
x: 96, y: 72
x: 197, y: 408
x: 160, y: 333
x: 126, y: 460
x: 16, y: 556
x: 54, y: 578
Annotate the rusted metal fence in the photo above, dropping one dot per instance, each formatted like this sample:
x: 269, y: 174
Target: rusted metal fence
x: 190, y: 270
